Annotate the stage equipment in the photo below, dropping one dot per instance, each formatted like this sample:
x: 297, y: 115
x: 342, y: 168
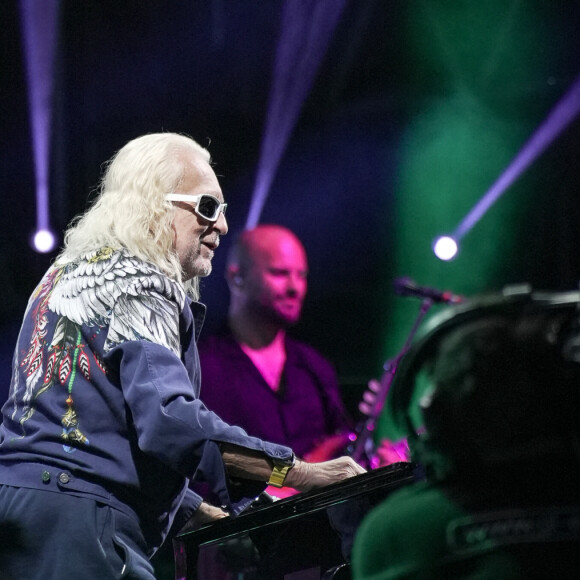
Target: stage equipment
x: 362, y: 449
x: 488, y: 375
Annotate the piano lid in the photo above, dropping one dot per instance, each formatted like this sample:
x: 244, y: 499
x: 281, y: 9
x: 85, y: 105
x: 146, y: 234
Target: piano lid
x: 335, y: 511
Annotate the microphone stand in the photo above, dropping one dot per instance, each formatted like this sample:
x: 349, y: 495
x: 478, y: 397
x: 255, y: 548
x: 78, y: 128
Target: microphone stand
x: 362, y: 448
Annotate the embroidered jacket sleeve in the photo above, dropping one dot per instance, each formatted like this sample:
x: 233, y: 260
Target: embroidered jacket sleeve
x: 151, y: 342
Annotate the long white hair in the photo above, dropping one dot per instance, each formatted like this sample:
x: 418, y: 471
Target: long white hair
x: 131, y: 211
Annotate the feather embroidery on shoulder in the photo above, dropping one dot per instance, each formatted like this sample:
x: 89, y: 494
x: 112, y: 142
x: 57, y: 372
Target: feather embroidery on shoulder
x: 107, y: 289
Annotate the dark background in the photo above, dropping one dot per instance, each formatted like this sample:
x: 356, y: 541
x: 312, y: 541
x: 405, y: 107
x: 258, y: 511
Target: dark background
x: 204, y: 68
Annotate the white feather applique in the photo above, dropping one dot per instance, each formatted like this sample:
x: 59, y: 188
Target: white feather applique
x: 129, y: 295
x: 107, y: 289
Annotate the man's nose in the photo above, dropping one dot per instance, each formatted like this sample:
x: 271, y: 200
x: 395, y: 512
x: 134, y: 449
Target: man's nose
x: 221, y: 224
x: 296, y: 284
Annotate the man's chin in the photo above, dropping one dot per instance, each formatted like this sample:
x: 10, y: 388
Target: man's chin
x: 201, y: 268
x: 288, y: 319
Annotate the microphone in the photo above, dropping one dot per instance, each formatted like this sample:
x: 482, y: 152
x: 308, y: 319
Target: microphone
x: 408, y: 287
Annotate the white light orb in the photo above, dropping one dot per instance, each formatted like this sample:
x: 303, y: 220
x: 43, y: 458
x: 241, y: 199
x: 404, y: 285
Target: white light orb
x: 445, y: 248
x: 43, y: 241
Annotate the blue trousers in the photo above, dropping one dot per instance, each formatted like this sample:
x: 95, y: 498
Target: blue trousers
x: 46, y: 535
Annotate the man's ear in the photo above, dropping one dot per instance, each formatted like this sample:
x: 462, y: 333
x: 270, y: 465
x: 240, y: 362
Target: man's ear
x: 233, y: 277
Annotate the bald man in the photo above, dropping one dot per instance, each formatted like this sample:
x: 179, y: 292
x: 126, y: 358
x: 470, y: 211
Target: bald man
x: 256, y: 375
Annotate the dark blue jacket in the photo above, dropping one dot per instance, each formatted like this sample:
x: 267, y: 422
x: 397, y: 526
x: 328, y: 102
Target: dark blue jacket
x: 104, y: 398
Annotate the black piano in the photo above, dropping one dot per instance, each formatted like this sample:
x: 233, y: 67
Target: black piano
x: 304, y: 537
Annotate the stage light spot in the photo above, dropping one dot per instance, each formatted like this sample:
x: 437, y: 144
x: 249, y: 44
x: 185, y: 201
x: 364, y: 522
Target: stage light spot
x: 445, y: 248
x: 43, y: 241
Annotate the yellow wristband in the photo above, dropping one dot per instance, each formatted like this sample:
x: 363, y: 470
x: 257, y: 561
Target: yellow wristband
x: 278, y: 475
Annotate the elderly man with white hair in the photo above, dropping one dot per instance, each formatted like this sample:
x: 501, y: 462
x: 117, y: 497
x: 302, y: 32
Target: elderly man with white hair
x: 104, y: 429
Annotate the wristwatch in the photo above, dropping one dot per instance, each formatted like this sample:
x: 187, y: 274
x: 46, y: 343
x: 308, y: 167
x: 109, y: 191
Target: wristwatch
x: 281, y: 469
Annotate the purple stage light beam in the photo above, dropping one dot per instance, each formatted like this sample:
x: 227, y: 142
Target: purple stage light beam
x: 306, y: 30
x: 559, y: 118
x: 39, y: 30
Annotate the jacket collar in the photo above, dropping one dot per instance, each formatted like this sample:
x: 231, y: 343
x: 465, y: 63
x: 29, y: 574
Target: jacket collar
x: 198, y: 311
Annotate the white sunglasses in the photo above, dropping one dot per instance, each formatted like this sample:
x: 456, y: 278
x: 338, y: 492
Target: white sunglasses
x: 206, y: 206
